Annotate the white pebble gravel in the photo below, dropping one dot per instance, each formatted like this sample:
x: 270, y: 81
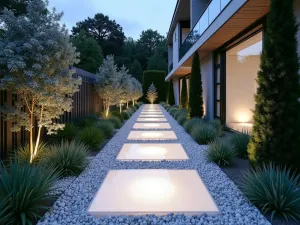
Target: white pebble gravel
x: 71, y: 207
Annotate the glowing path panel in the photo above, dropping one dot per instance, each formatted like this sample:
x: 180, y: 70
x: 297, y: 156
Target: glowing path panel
x: 141, y: 119
x: 151, y: 126
x: 152, y: 135
x: 152, y: 152
x: 151, y: 110
x: 152, y: 115
x: 159, y: 192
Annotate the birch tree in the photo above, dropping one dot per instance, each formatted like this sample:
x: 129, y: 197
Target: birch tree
x: 126, y: 84
x: 137, y: 90
x: 35, y: 55
x: 109, y: 86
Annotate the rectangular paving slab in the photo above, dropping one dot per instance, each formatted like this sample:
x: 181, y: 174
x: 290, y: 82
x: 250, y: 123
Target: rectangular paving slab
x: 151, y: 119
x: 152, y: 152
x: 152, y: 115
x: 152, y: 191
x: 152, y: 135
x: 151, y: 126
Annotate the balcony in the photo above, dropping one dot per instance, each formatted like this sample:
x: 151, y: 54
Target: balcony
x: 212, y: 11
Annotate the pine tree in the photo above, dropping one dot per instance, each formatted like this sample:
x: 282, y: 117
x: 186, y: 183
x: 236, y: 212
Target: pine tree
x: 183, y: 96
x: 196, y: 99
x: 152, y: 94
x: 171, y: 99
x: 276, y: 129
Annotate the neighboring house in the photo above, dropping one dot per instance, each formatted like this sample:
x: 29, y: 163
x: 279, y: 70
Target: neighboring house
x: 228, y: 34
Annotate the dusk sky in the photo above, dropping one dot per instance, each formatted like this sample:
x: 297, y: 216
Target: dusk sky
x: 133, y: 15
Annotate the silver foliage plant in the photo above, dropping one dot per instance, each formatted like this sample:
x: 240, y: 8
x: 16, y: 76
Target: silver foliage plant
x: 115, y: 86
x: 35, y: 56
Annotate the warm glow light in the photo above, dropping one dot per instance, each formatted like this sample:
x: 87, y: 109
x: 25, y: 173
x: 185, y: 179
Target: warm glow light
x: 151, y: 119
x: 243, y: 116
x: 152, y: 189
x: 152, y: 134
x: 151, y: 125
x: 153, y: 151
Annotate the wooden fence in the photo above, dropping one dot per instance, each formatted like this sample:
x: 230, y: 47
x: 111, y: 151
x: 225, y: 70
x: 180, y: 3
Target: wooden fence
x: 85, y: 102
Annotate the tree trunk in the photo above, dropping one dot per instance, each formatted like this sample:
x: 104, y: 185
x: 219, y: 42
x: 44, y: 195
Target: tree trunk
x: 37, y: 143
x: 120, y: 105
x: 31, y: 133
x: 127, y: 105
x: 133, y: 102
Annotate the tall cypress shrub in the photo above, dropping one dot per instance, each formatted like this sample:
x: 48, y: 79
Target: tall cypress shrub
x: 196, y: 92
x: 183, y: 95
x: 171, y: 99
x: 276, y: 129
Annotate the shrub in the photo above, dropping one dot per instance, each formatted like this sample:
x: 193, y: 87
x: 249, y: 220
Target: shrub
x: 67, y: 158
x: 183, y: 95
x: 179, y: 113
x: 172, y: 111
x: 117, y: 114
x: 27, y: 187
x: 22, y: 153
x: 116, y: 121
x: 91, y: 136
x: 275, y: 134
x: 68, y: 133
x: 5, y: 213
x: 130, y: 111
x: 273, y: 189
x: 221, y: 152
x: 204, y: 133
x: 133, y: 108
x: 191, y: 123
x: 217, y: 124
x: 181, y: 119
x: 106, y: 126
x: 241, y: 141
x: 167, y: 107
x: 196, y: 91
x: 126, y: 115
x: 87, y: 121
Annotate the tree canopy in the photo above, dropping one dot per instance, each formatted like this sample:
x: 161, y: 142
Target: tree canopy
x: 90, y: 52
x: 35, y: 55
x: 106, y: 32
x: 18, y: 7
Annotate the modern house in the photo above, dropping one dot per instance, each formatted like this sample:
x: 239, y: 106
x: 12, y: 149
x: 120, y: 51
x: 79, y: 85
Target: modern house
x: 228, y: 35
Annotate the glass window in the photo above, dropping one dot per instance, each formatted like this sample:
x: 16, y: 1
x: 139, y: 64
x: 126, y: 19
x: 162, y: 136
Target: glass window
x: 218, y: 109
x: 218, y: 75
x: 214, y: 10
x: 242, y: 66
x: 218, y: 92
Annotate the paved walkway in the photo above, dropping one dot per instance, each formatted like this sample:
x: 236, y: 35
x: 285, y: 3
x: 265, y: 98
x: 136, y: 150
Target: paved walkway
x: 177, y: 178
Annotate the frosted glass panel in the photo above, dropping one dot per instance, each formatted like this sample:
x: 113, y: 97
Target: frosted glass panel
x: 224, y: 3
x: 214, y: 10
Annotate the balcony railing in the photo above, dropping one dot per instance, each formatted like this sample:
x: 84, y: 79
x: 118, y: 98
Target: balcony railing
x: 213, y: 9
x: 170, y: 67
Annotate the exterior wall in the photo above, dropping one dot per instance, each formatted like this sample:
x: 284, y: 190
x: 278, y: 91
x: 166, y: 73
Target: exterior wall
x: 184, y: 33
x: 176, y: 43
x: 206, y: 65
x: 297, y: 13
x: 196, y: 10
x: 176, y: 90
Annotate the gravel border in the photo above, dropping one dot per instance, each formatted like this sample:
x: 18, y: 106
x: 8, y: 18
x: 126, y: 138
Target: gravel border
x: 71, y: 207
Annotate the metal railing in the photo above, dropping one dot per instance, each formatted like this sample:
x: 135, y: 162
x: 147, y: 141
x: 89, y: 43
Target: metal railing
x: 212, y: 11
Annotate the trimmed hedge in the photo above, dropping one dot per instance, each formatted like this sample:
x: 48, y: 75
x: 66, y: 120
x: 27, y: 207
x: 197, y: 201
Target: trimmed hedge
x: 158, y: 79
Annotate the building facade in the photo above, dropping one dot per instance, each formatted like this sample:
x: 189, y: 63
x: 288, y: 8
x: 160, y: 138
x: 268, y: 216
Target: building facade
x: 228, y: 35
